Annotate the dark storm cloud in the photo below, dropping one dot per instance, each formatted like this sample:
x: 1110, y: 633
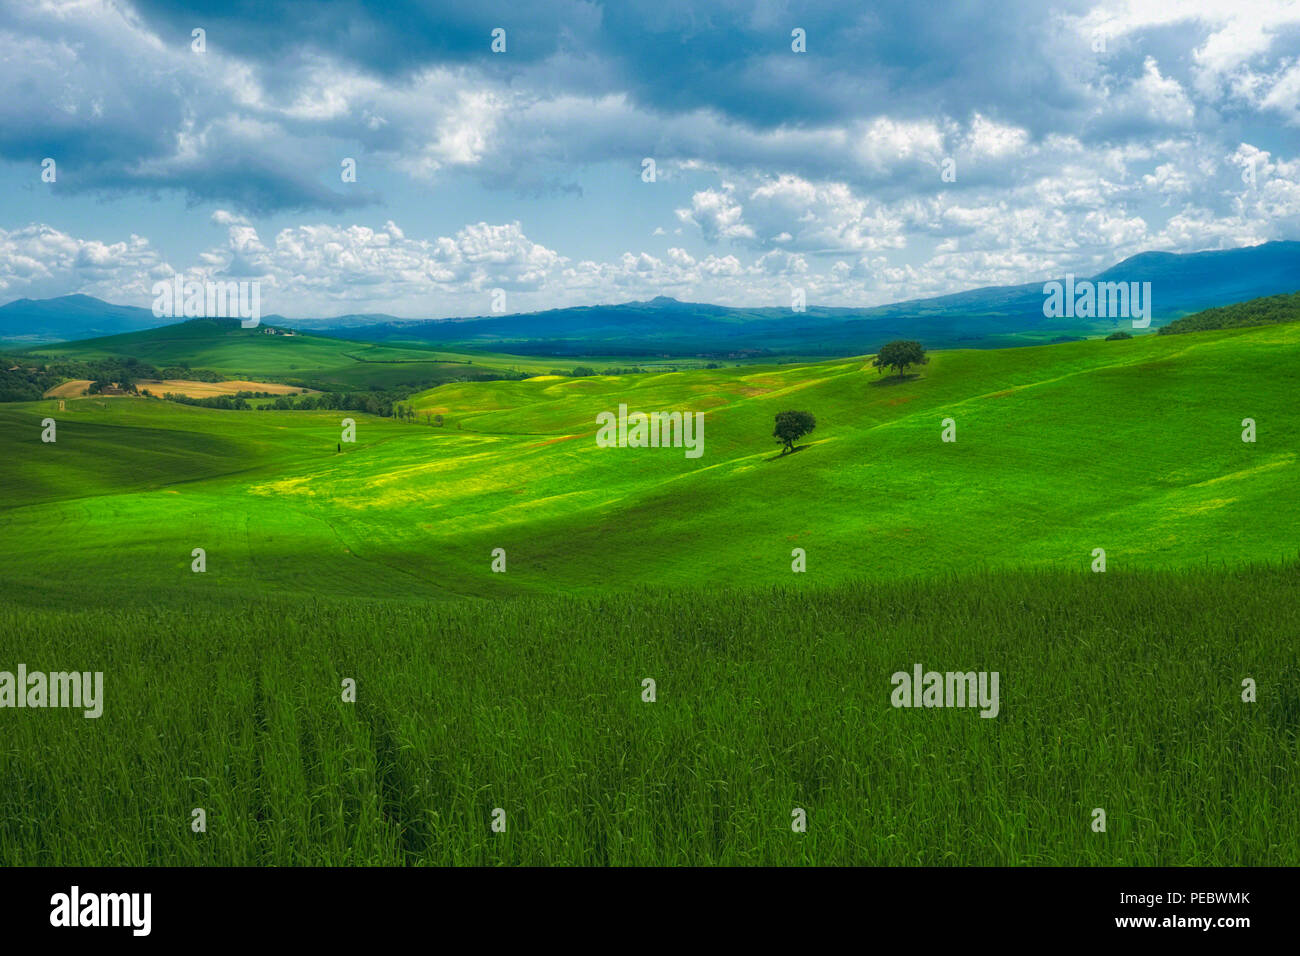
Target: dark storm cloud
x: 901, y: 56
x: 386, y: 39
x: 116, y: 93
x: 673, y: 60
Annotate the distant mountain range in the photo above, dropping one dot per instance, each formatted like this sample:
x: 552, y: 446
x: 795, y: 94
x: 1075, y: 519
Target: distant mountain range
x: 71, y: 317
x: 987, y: 317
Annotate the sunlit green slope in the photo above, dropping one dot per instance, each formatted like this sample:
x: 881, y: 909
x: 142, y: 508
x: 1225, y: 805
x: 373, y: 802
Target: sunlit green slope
x: 1130, y: 446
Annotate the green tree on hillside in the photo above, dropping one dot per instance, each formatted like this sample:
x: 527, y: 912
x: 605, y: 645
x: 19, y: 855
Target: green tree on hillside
x: 899, y: 354
x: 1116, y: 336
x: 1265, y: 311
x: 791, y: 426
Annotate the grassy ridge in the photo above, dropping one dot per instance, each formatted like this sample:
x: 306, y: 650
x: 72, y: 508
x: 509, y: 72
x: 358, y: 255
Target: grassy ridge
x: 1266, y: 311
x: 1119, y: 691
x: 1131, y: 446
x: 224, y: 346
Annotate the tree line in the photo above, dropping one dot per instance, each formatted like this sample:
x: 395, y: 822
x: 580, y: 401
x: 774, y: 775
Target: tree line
x: 1268, y: 310
x: 25, y: 379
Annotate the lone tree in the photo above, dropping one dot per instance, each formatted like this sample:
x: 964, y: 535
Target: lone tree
x: 791, y: 426
x: 900, y: 354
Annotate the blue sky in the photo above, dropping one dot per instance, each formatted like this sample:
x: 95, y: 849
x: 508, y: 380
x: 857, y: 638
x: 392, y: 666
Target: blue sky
x: 1077, y: 134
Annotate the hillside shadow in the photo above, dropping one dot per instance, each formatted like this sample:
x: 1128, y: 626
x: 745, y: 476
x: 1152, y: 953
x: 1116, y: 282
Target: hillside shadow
x: 779, y: 455
x: 896, y: 379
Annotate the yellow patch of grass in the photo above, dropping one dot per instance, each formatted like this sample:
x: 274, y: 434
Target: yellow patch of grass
x: 178, y: 386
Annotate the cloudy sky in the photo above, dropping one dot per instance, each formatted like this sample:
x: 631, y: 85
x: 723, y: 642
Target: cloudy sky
x: 1074, y: 135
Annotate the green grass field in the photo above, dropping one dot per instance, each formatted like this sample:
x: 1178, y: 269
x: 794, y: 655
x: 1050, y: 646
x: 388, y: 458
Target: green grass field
x: 521, y: 690
x: 223, y: 346
x: 1118, y: 691
x: 1134, y: 447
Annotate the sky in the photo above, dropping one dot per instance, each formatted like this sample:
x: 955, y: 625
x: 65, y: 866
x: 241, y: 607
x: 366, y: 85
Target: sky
x: 863, y: 153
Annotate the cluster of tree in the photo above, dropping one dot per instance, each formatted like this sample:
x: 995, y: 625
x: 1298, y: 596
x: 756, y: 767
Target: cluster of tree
x: 1119, y: 334
x: 583, y: 371
x: 124, y: 372
x: 1269, y: 310
x: 900, y: 354
x: 187, y: 374
x: 127, y: 371
x: 99, y: 386
x: 379, y: 403
x: 405, y: 413
x: 23, y: 379
x: 230, y: 403
x: 216, y: 401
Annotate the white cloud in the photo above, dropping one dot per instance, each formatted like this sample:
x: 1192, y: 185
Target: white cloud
x: 39, y: 260
x: 1137, y: 148
x: 717, y: 214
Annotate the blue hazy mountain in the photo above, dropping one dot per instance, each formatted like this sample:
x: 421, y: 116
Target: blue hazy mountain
x: 71, y: 317
x: 986, y: 317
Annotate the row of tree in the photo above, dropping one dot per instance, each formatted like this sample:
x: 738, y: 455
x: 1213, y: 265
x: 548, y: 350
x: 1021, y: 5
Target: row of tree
x: 405, y: 413
x: 584, y: 371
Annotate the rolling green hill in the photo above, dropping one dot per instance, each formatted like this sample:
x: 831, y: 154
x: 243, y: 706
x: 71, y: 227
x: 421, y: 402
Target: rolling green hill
x: 223, y: 346
x: 318, y: 361
x: 1131, y: 446
x: 1266, y: 311
x: 1120, y: 691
